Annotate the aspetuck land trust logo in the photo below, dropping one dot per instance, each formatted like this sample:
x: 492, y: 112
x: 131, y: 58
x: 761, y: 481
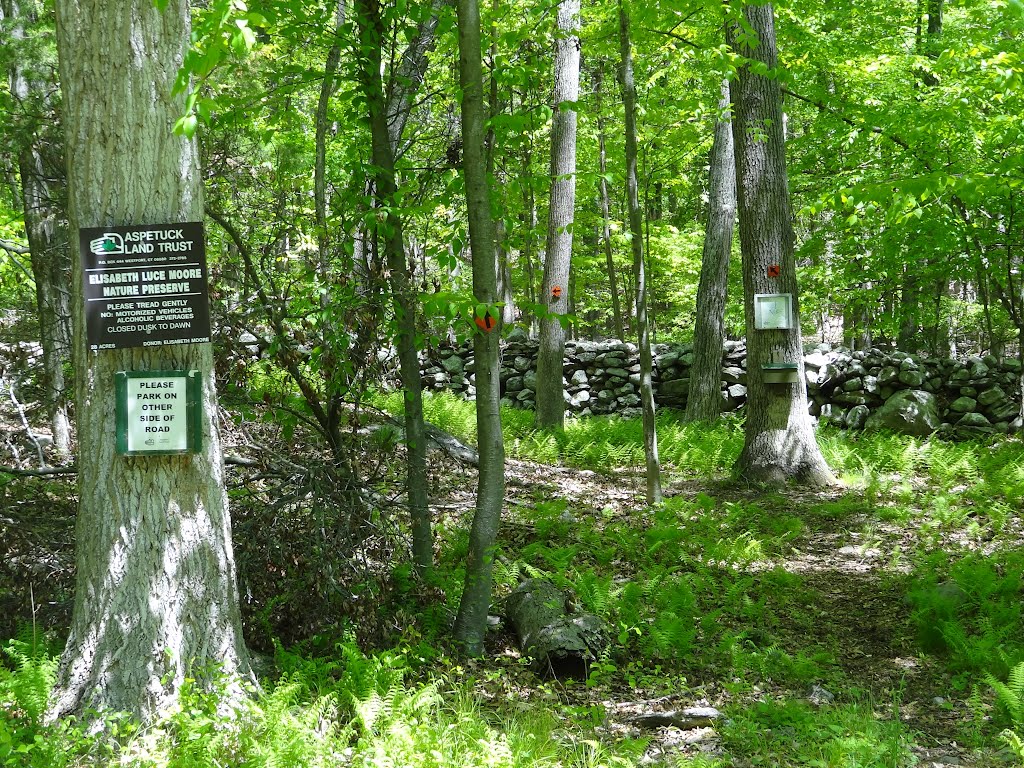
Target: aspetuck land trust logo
x: 110, y: 244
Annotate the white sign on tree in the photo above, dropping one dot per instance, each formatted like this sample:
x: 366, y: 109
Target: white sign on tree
x: 156, y: 412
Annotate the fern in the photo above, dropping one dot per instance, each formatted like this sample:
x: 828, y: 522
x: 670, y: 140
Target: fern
x: 596, y: 593
x: 508, y: 574
x: 1010, y: 695
x: 28, y: 686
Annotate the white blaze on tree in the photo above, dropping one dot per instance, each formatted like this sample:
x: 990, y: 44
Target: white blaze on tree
x: 156, y: 597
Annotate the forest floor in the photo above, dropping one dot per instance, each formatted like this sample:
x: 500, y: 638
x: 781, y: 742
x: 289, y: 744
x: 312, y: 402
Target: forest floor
x: 808, y: 611
x: 854, y: 609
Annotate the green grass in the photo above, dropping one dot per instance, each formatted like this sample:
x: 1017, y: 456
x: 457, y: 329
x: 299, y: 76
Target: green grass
x: 876, y: 460
x: 792, y: 732
x: 600, y: 443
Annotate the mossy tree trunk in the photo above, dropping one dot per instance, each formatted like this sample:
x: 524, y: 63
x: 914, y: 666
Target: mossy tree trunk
x: 391, y: 235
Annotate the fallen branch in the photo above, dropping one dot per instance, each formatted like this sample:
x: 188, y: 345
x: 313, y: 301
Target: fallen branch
x: 561, y: 644
x: 24, y: 422
x: 683, y: 719
x: 449, y: 444
x: 72, y: 470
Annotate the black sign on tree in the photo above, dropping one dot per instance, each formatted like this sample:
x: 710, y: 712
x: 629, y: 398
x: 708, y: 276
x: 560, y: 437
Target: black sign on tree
x: 145, y: 286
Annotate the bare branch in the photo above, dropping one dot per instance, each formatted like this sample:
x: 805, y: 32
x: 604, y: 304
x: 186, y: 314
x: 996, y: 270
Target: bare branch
x: 11, y: 247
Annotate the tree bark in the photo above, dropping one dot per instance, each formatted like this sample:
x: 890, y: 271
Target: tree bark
x: 704, y: 401
x: 639, y: 272
x: 561, y: 643
x: 506, y: 293
x: 554, y: 292
x: 606, y: 227
x: 779, y: 441
x: 471, y: 621
x: 371, y: 35
x: 156, y: 598
x: 529, y: 244
x: 40, y: 167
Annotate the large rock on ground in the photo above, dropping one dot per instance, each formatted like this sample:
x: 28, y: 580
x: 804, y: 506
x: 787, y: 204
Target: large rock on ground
x: 910, y: 411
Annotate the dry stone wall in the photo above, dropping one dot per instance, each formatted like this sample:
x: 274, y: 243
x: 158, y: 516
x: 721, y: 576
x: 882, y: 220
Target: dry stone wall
x: 901, y: 391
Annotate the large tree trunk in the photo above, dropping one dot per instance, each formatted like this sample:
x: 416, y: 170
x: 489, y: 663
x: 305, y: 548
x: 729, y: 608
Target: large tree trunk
x: 371, y: 34
x: 637, y: 242
x: 606, y: 226
x: 704, y: 401
x: 156, y: 598
x: 40, y: 166
x: 554, y: 292
x: 779, y: 441
x: 471, y: 621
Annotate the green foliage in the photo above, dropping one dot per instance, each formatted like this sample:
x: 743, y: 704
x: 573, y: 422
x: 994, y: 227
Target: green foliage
x: 1010, y: 703
x: 604, y: 444
x: 24, y: 691
x: 359, y: 711
x: 972, y: 614
x: 792, y: 732
x: 17, y: 288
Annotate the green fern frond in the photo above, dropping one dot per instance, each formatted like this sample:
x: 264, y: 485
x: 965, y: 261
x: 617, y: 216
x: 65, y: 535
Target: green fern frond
x: 1010, y: 695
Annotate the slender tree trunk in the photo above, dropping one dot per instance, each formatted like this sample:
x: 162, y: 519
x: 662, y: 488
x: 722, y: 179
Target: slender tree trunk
x: 529, y: 246
x: 40, y: 162
x: 606, y: 226
x: 934, y: 24
x: 779, y: 441
x: 506, y: 294
x: 636, y: 229
x: 909, y: 338
x: 320, y: 140
x: 156, y: 598
x: 471, y: 621
x: 554, y: 290
x: 51, y: 270
x: 371, y: 36
x: 704, y: 401
x: 408, y: 80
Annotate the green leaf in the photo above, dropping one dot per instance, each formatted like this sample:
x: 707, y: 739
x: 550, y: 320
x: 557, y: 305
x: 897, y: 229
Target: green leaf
x: 186, y: 126
x: 208, y: 61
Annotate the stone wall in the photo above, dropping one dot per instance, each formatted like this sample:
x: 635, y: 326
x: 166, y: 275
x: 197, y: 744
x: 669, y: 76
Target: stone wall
x: 850, y: 389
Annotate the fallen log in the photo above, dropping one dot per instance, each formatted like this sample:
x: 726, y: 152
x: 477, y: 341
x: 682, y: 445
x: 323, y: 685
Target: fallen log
x: 561, y: 643
x: 683, y: 719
